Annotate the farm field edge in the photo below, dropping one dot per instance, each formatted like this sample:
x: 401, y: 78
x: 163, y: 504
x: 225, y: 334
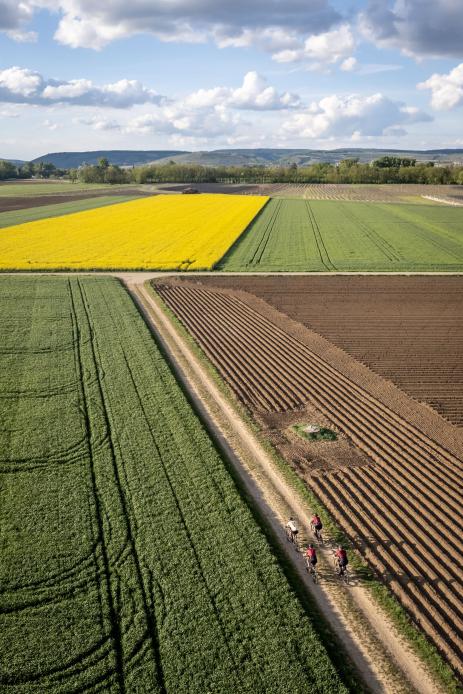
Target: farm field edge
x: 128, y: 524
x: 381, y: 592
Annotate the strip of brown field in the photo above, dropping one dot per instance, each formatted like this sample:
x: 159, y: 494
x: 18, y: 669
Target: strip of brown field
x: 407, y: 329
x: 394, y: 192
x: 401, y: 503
x: 9, y: 204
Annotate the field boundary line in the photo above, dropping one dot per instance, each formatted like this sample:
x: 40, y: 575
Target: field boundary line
x: 216, y: 267
x: 368, y: 634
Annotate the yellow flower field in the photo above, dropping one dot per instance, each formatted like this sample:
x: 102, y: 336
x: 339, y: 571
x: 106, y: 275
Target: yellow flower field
x: 165, y: 232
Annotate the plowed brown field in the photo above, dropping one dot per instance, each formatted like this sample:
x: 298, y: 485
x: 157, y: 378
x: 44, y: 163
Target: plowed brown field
x: 8, y: 204
x: 389, y: 192
x: 402, y: 506
x: 407, y: 329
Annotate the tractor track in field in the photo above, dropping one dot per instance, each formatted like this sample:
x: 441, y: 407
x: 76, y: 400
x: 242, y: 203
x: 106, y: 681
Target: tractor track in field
x: 321, y: 247
x: 410, y: 491
x: 365, y: 631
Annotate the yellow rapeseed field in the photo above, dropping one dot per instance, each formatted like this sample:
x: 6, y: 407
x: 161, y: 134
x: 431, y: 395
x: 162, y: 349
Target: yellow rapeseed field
x: 164, y: 232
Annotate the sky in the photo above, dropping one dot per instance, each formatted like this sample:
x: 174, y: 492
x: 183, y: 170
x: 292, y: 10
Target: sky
x: 214, y: 74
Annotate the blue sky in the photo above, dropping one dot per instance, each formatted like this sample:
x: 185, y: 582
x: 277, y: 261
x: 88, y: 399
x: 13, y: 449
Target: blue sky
x: 202, y: 74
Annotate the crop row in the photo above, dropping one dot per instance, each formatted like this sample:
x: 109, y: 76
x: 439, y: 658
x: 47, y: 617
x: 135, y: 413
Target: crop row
x: 299, y: 235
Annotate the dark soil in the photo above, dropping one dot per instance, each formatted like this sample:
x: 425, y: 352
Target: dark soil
x: 8, y: 204
x: 406, y: 329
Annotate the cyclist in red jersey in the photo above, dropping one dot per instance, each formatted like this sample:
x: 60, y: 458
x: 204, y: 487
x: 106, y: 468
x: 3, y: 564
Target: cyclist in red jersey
x: 341, y: 557
x: 316, y: 522
x: 311, y: 555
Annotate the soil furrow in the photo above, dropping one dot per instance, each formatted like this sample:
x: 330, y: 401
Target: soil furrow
x: 389, y: 509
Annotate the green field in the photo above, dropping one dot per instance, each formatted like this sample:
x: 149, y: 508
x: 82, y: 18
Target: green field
x: 30, y: 214
x: 41, y: 188
x: 130, y: 562
x: 321, y: 236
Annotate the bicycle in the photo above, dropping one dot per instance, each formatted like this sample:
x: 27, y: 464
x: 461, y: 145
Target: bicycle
x: 317, y: 533
x: 311, y: 570
x: 342, y: 571
x: 291, y: 536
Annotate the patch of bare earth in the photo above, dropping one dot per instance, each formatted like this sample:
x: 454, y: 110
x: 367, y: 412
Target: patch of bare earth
x: 398, y: 496
x: 407, y: 329
x: 8, y: 204
x: 327, y: 191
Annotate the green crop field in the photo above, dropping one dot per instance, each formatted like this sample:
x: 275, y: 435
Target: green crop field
x: 42, y: 188
x: 30, y: 214
x: 321, y: 236
x: 130, y: 562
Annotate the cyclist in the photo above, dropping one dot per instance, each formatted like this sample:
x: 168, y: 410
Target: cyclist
x: 341, y: 559
x: 316, y: 525
x: 291, y: 529
x: 311, y: 555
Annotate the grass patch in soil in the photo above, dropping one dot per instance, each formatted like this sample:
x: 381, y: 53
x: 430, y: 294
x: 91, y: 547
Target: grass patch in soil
x: 317, y: 434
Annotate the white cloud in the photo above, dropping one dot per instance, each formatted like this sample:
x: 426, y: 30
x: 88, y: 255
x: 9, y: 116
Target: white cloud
x: 22, y: 36
x: 15, y: 15
x: 19, y: 82
x: 80, y: 32
x: 92, y: 23
x: 181, y: 119
x: 327, y: 48
x: 50, y: 125
x: 416, y: 27
x: 349, y: 64
x: 209, y: 114
x: 446, y: 90
x: 21, y: 85
x: 353, y: 116
x: 67, y: 90
x: 254, y: 94
x: 99, y: 123
x: 271, y: 25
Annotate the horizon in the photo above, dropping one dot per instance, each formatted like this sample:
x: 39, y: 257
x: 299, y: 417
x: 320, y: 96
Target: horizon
x: 455, y: 150
x: 197, y: 76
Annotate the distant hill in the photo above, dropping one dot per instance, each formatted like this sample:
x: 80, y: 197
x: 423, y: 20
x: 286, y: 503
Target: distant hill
x: 244, y: 157
x: 72, y: 160
x: 16, y: 162
x: 304, y: 157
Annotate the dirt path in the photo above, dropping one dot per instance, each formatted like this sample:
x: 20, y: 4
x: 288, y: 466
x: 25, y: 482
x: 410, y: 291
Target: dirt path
x: 382, y: 657
x: 443, y: 200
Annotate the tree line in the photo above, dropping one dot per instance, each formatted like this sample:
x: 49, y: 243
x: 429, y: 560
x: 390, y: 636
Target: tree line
x: 388, y: 169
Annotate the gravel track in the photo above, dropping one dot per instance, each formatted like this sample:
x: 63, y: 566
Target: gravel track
x: 404, y: 510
